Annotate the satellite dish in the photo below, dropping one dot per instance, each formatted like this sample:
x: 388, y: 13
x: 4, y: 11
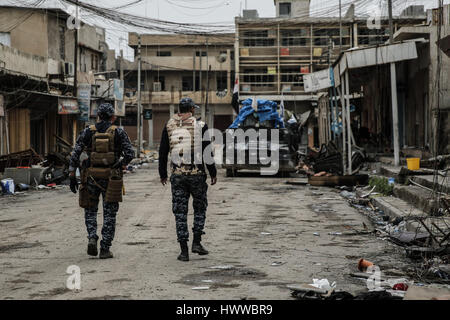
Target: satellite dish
x: 221, y: 58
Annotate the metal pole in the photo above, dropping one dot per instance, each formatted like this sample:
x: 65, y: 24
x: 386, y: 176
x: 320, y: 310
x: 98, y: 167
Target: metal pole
x: 394, y: 92
x: 122, y: 78
x: 139, y: 106
x: 395, y: 114
x: 340, y: 26
x: 75, y: 55
x: 391, y: 24
x: 349, y: 123
x: 344, y: 134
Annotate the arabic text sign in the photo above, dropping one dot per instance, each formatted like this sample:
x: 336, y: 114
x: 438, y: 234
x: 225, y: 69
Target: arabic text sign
x: 84, y: 100
x: 318, y: 80
x: 68, y: 106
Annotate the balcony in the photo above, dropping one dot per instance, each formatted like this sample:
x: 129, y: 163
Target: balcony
x: 185, y: 63
x: 167, y: 97
x: 15, y: 61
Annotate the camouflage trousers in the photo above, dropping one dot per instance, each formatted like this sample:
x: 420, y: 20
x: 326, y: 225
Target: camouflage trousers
x: 183, y: 186
x: 109, y: 214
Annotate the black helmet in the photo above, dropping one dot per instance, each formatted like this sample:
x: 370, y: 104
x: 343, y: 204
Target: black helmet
x: 105, y: 111
x: 186, y: 104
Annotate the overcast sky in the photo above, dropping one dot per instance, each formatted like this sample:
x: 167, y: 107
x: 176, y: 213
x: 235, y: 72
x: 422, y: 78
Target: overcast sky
x: 211, y: 11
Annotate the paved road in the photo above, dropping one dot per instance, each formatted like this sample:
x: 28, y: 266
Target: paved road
x: 261, y: 228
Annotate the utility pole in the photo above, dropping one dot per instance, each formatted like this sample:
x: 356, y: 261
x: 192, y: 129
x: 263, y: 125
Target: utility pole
x: 139, y: 106
x: 391, y: 23
x: 121, y: 79
x: 394, y: 93
x: 340, y: 26
x: 75, y: 55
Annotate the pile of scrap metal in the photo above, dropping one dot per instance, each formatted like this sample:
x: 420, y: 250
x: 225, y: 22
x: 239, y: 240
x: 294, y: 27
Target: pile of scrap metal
x: 328, y: 160
x: 56, y: 164
x: 25, y: 158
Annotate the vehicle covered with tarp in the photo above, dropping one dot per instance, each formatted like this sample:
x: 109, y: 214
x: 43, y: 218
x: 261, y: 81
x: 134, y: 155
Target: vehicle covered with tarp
x: 259, y: 119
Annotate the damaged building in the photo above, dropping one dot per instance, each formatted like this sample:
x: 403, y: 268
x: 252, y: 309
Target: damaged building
x: 37, y: 74
x: 177, y: 66
x: 274, y: 54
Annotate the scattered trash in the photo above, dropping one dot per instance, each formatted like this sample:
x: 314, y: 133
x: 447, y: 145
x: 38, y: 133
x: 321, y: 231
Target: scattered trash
x: 335, y: 233
x: 200, y: 288
x: 265, y: 233
x: 364, y: 264
x: 323, y: 284
x: 23, y: 187
x: 226, y: 267
x: 316, y: 234
x: 277, y: 263
x: 7, y: 186
x: 207, y: 281
x: 400, y: 286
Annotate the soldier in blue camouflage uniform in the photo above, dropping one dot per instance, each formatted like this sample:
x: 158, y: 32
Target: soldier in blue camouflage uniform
x: 186, y: 179
x: 96, y: 187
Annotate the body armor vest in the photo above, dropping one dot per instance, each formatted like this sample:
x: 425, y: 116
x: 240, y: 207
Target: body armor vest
x: 182, y: 130
x: 102, y: 151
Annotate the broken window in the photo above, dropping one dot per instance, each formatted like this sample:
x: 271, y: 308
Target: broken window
x: 258, y: 38
x: 294, y: 37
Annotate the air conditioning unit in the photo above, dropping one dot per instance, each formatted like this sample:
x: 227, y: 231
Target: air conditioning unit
x: 156, y: 86
x: 69, y: 69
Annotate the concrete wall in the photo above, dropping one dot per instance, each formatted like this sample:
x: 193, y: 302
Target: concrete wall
x: 21, y: 62
x: 32, y: 25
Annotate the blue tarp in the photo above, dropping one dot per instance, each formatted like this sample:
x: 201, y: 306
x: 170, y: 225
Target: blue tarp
x: 267, y: 110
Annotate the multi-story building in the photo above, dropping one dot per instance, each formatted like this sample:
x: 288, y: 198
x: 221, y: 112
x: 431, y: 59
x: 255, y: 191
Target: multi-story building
x: 273, y: 54
x: 37, y: 76
x: 176, y: 66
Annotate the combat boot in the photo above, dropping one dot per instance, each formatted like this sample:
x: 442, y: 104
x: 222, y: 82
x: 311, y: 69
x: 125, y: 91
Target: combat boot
x: 92, y: 247
x: 105, y: 254
x: 184, y: 255
x: 197, y: 246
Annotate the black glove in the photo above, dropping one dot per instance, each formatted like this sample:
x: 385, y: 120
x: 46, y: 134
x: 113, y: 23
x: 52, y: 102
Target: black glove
x: 73, y: 184
x: 118, y: 164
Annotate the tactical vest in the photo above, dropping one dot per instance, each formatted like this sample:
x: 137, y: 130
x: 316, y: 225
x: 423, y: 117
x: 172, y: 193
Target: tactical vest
x: 102, y: 153
x: 181, y: 133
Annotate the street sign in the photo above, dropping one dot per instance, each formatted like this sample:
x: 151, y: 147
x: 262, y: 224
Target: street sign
x: 68, y: 106
x: 148, y: 114
x: 318, y: 80
x: 84, y: 101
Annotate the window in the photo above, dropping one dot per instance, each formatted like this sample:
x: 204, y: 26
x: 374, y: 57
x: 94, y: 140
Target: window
x: 94, y: 62
x: 163, y: 82
x: 5, y: 38
x: 258, y: 39
x: 221, y: 79
x: 164, y: 53
x: 202, y: 53
x: 187, y: 83
x: 294, y: 37
x: 285, y: 9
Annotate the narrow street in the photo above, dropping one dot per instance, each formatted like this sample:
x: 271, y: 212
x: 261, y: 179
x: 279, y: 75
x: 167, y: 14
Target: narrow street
x: 261, y: 232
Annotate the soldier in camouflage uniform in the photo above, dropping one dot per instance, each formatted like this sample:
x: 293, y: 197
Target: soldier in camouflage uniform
x: 95, y: 187
x: 188, y: 178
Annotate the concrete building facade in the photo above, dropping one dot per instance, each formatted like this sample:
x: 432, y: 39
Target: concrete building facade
x: 177, y: 66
